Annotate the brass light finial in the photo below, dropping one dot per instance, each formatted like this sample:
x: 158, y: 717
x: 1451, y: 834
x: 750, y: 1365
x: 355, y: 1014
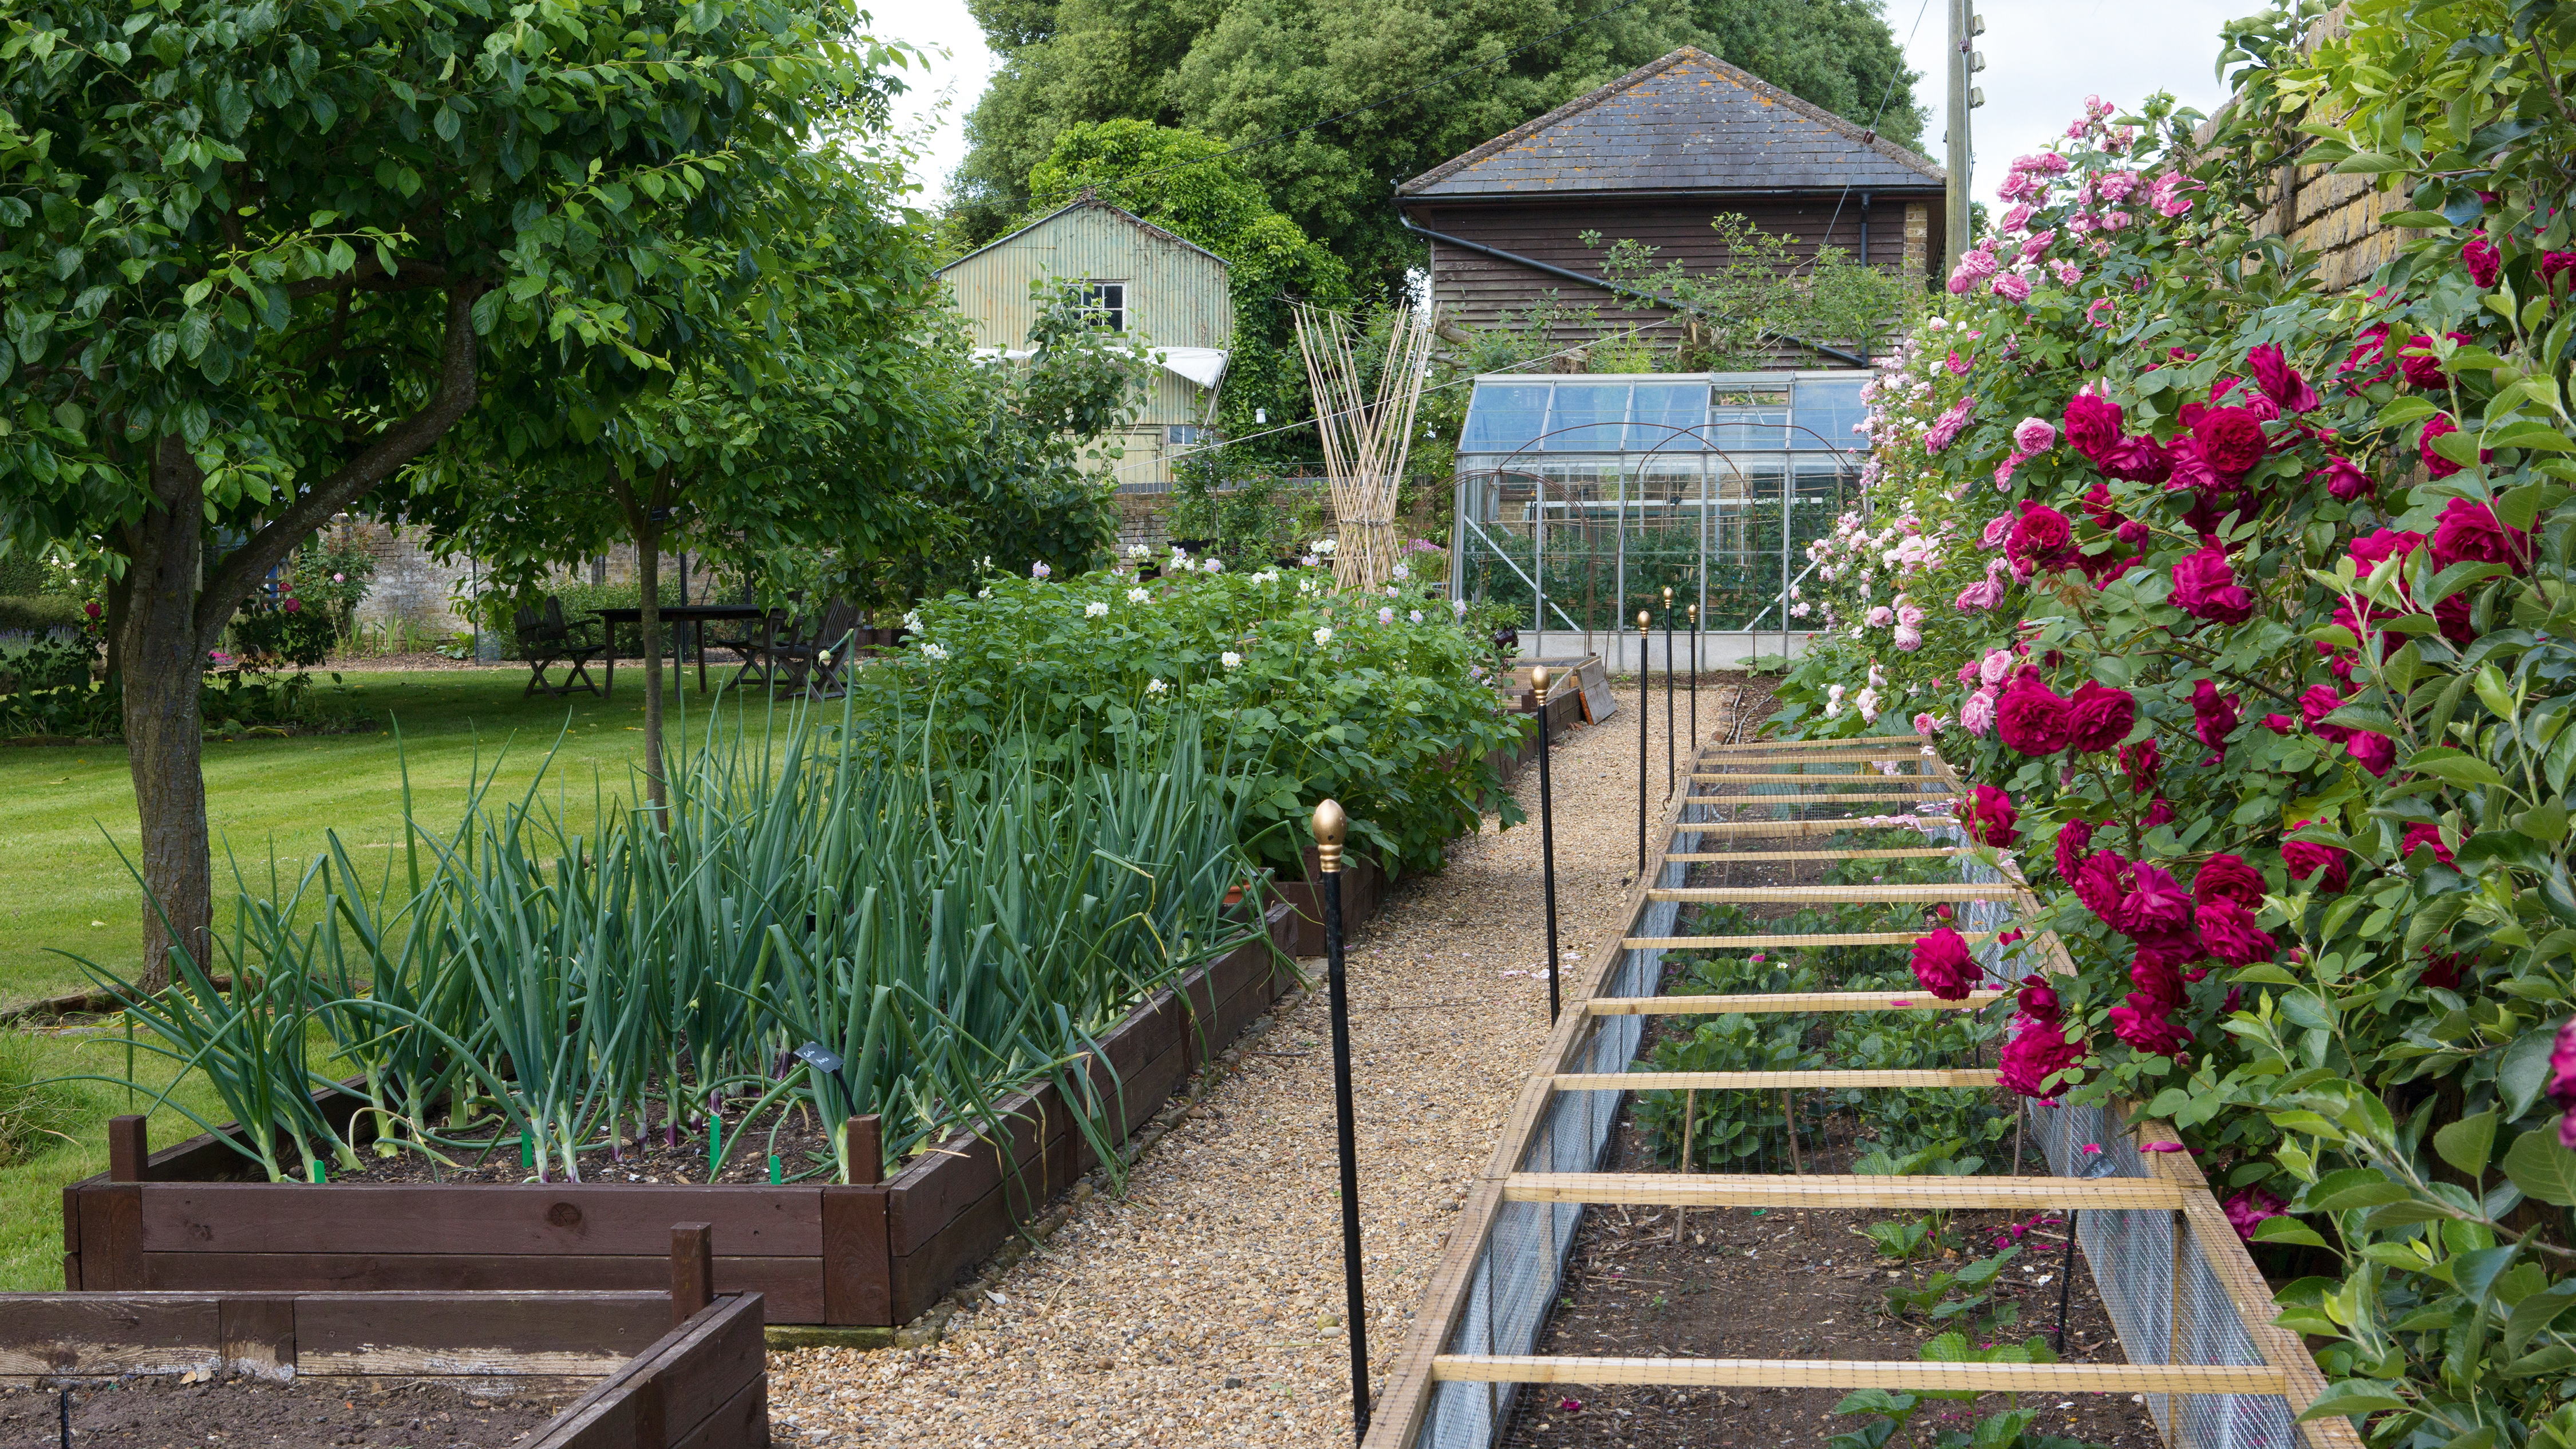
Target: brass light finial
x: 1668, y: 596
x: 1694, y: 613
x: 1643, y: 616
x: 1331, y: 825
x: 1539, y: 678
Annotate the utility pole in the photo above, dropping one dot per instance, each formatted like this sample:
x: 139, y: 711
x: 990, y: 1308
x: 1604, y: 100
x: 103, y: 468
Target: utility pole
x: 1965, y: 27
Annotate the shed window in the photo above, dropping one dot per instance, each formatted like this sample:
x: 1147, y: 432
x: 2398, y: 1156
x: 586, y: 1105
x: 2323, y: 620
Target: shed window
x: 1105, y: 305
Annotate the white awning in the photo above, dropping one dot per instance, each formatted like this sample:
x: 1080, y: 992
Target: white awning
x: 1200, y: 365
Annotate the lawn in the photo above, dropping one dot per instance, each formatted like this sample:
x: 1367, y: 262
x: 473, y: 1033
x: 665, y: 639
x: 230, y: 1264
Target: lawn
x: 67, y: 889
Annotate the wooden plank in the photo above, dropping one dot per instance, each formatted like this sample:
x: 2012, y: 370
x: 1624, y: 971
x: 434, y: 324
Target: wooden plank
x: 1845, y: 895
x: 482, y: 1219
x: 461, y: 1334
x: 1921, y: 824
x: 1731, y: 762
x: 741, y: 1422
x: 1776, y: 796
x: 794, y: 1286
x: 1738, y: 777
x: 1896, y: 1375
x: 856, y: 1265
x: 1761, y: 943
x: 1825, y: 1190
x: 259, y: 1333
x: 724, y: 1355
x: 1895, y: 744
x: 693, y: 1270
x: 1766, y: 1081
x: 111, y: 1232
x: 633, y: 1408
x: 88, y: 1334
x: 1916, y: 1000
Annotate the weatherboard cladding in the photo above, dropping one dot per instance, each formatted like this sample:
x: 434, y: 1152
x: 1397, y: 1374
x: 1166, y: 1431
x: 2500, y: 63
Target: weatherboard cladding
x: 1687, y: 122
x: 1176, y: 291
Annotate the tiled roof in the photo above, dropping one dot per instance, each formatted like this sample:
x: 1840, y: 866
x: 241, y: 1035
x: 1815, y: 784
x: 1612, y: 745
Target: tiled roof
x: 1688, y: 122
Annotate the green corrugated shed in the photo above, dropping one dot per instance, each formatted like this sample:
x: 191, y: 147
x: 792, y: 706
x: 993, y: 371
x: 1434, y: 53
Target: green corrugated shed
x: 1175, y: 297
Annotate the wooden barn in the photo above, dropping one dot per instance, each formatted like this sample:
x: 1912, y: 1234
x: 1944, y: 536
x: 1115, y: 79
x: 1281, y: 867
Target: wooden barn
x: 1654, y: 156
x: 1168, y: 294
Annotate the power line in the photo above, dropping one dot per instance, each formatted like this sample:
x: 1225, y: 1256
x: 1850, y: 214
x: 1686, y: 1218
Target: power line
x: 1507, y: 56
x: 1884, y: 97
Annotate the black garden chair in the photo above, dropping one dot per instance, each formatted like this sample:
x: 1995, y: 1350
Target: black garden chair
x: 548, y: 641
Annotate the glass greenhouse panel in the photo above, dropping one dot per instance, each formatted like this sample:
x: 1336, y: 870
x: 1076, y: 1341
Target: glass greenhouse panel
x: 1581, y: 499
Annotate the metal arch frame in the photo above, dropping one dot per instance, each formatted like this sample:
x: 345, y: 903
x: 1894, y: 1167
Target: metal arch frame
x: 1537, y: 575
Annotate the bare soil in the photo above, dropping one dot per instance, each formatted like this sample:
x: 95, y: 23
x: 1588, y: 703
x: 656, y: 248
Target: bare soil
x: 804, y: 1152
x: 163, y: 1413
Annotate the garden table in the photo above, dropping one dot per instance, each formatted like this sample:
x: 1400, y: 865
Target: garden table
x: 680, y: 618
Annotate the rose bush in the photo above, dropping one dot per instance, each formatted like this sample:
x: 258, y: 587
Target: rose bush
x: 2265, y: 648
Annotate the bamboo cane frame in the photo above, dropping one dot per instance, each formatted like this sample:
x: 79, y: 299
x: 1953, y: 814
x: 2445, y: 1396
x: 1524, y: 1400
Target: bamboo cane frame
x: 1896, y: 1375
x: 1851, y: 895
x: 1366, y: 439
x: 1829, y: 1079
x: 1766, y: 855
x: 1837, y: 1191
x: 1787, y: 1001
x: 1764, y: 943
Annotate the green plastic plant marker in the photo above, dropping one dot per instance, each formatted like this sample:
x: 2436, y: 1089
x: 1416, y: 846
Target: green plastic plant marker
x: 777, y: 1170
x: 715, y: 1144
x: 319, y: 1176
x: 527, y: 1151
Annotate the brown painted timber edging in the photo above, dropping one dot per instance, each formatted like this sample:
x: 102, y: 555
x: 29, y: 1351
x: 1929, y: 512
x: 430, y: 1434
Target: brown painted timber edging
x: 878, y: 1255
x: 702, y: 1384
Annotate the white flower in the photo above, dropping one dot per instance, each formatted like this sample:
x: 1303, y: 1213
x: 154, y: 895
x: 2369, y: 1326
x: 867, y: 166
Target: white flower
x: 1137, y: 596
x: 1392, y: 591
x: 1323, y: 637
x: 912, y: 620
x: 1137, y: 550
x: 1305, y: 586
x: 988, y: 560
x: 1326, y: 545
x: 933, y: 651
x: 1039, y: 570
x: 1386, y: 616
x: 1266, y: 576
x: 1213, y: 566
x: 1415, y: 616
x: 1402, y: 572
x: 1179, y: 553
x: 1155, y: 686
x: 983, y: 593
x: 1458, y: 607
x: 1230, y: 659
x: 1095, y: 609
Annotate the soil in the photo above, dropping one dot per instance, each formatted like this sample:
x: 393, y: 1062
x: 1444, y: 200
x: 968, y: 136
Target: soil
x: 164, y: 1413
x: 804, y: 1153
x: 1775, y: 1283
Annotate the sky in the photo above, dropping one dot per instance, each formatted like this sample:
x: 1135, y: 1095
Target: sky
x: 2043, y: 57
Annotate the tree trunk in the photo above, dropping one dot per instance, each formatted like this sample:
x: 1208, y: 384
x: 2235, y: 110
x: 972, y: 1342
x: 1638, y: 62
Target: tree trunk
x: 163, y: 667
x: 641, y: 521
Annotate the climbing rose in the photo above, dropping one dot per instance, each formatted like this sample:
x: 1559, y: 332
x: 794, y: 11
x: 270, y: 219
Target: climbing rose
x: 2205, y: 587
x: 1990, y: 817
x: 2386, y: 543
x: 2279, y: 380
x: 2099, y: 717
x: 2092, y: 424
x: 2032, y: 718
x: 1978, y: 715
x: 2251, y: 1207
x: 1945, y: 429
x: 2039, y: 1050
x: 2033, y: 436
x: 2143, y: 762
x: 2101, y: 883
x: 2041, y: 536
x: 2228, y: 878
x: 2376, y: 753
x: 2231, y: 441
x: 2138, y: 460
x: 2421, y: 368
x: 2304, y: 859
x: 1942, y: 964
x: 2434, y: 463
x: 2160, y: 811
x: 2012, y: 286
x: 2344, y: 480
x: 2144, y: 1024
x: 2430, y: 835
x: 2153, y: 904
x: 2228, y: 929
x: 2484, y: 262
x: 2471, y: 533
x: 2037, y: 998
x: 2213, y: 718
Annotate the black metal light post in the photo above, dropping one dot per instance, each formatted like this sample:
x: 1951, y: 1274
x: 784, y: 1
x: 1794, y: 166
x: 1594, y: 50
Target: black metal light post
x: 1645, y: 682
x: 1540, y: 678
x: 1331, y: 825
x: 1668, y: 692
x: 1694, y: 685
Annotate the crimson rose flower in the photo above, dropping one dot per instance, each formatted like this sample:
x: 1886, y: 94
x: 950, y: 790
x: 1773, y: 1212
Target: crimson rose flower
x: 1944, y: 967
x: 2344, y: 480
x: 2249, y: 1208
x: 2099, y: 717
x: 2484, y: 262
x: 2041, y: 536
x: 2032, y: 718
x: 2143, y: 762
x: 2074, y: 843
x: 2369, y: 552
x: 2102, y: 884
x: 2213, y: 718
x: 2092, y: 424
x: 2227, y: 928
x: 2304, y: 859
x: 1989, y: 817
x: 2434, y: 463
x: 2280, y: 381
x: 2038, y: 1051
x: 2205, y: 587
x: 2153, y: 904
x: 2471, y: 533
x: 2430, y: 835
x: 2376, y: 753
x: 2228, y: 878
x: 2231, y: 441
x: 2422, y: 369
x: 2144, y: 1024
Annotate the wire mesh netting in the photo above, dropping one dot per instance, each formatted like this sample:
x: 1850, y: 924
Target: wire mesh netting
x: 1762, y: 867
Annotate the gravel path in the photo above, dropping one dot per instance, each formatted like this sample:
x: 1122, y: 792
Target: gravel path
x: 1204, y: 1307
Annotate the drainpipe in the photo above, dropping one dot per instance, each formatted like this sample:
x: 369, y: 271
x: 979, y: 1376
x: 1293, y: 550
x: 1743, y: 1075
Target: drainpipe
x: 1606, y: 285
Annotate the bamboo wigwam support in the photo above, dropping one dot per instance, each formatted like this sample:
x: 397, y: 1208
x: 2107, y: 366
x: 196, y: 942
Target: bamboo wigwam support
x: 1822, y: 1190
x: 1825, y: 1079
x: 1841, y: 895
x: 1767, y: 943
x: 1366, y: 436
x: 1717, y: 1005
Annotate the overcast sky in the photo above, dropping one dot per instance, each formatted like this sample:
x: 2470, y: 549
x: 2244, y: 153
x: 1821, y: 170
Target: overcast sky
x: 2043, y: 57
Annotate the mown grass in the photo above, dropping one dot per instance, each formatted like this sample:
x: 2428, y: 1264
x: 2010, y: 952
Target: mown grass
x: 65, y: 889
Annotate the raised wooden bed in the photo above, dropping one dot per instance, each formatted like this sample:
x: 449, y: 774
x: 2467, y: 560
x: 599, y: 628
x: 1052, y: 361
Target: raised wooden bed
x: 1363, y: 889
x: 643, y: 1382
x: 874, y: 1255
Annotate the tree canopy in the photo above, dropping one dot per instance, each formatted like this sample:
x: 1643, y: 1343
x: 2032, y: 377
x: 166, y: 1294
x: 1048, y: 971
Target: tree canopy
x: 1244, y: 71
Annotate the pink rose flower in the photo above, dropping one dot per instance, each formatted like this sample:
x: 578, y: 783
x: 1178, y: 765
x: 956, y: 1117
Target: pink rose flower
x: 2100, y: 717
x: 2303, y: 860
x: 1990, y: 818
x: 2037, y: 1052
x: 1908, y: 638
x: 2032, y: 718
x: 1977, y: 715
x: 2484, y: 262
x: 2471, y: 533
x: 2205, y: 587
x: 2249, y: 1208
x: 2034, y: 436
x: 1944, y: 967
x: 2011, y: 286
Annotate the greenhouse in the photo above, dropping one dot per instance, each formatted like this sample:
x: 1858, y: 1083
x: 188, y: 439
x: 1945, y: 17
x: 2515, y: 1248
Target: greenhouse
x: 1582, y: 498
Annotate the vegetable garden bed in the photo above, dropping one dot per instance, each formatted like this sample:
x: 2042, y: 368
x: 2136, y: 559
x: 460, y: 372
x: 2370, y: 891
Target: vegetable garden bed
x: 858, y: 1255
x: 629, y: 1383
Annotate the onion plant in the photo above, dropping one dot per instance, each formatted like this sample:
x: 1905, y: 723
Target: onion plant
x: 953, y: 931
